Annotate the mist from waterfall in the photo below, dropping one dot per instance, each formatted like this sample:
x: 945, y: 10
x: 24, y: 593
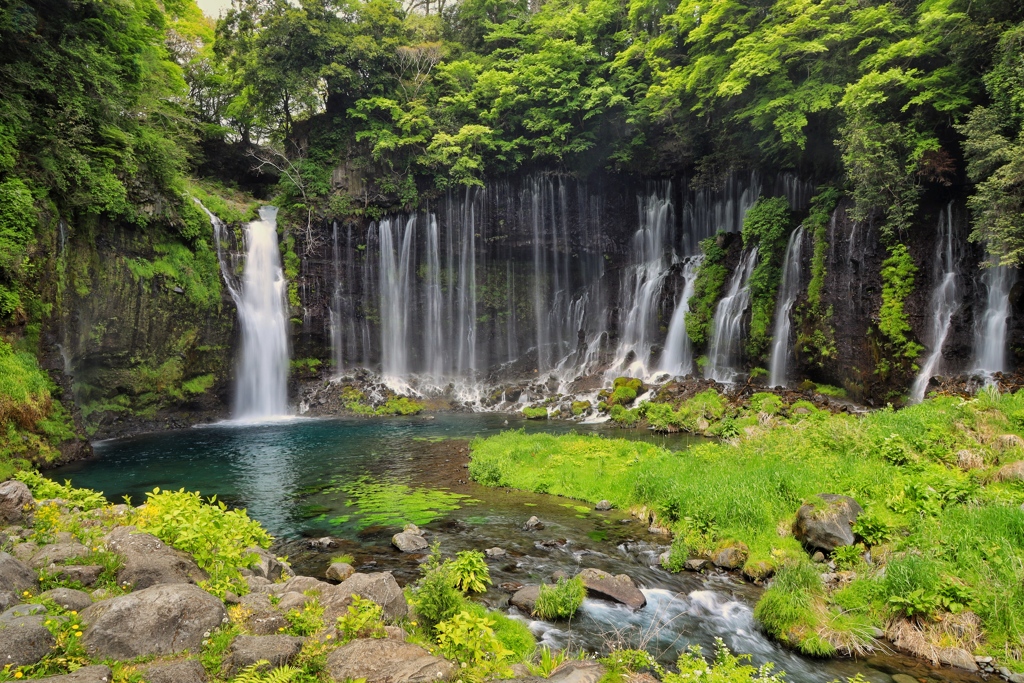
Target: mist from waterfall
x: 789, y: 289
x: 728, y: 325
x: 944, y: 301
x: 990, y: 334
x: 261, y: 384
x: 677, y: 356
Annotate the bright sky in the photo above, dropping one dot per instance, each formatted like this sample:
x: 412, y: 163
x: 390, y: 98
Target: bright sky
x: 214, y: 8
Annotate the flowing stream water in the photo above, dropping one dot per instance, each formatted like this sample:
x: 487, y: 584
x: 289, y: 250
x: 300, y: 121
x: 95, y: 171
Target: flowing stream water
x: 788, y: 292
x: 944, y: 302
x: 349, y: 478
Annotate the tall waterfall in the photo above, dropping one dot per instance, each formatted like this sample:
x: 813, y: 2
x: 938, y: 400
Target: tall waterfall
x: 396, y: 250
x: 788, y: 291
x: 641, y: 284
x: 990, y: 334
x: 261, y: 388
x: 677, y: 357
x: 943, y: 303
x: 727, y: 327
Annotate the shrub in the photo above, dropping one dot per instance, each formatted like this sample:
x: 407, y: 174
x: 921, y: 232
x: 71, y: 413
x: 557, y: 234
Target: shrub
x: 43, y: 489
x: 764, y: 402
x: 435, y: 596
x: 216, y: 537
x: 469, y: 639
x: 624, y: 417
x: 561, y: 600
x: 788, y: 609
x: 363, y: 619
x: 470, y: 573
x: 307, y: 620
x: 707, y: 288
x: 724, y: 668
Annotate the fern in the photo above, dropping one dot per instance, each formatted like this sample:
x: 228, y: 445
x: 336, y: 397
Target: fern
x: 283, y: 674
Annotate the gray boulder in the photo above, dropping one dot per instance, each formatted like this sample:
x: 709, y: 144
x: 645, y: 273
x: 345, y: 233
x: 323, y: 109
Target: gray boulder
x: 293, y: 600
x: 533, y: 524
x: 87, y: 674
x: 69, y: 598
x: 24, y: 551
x: 23, y: 637
x: 380, y: 587
x: 148, y: 561
x: 339, y: 571
x: 15, y: 575
x: 300, y: 584
x: 696, y: 564
x: 409, y: 542
x: 387, y: 661
x: 526, y: 598
x: 577, y: 671
x: 184, y: 671
x: 161, y: 620
x: 247, y: 650
x: 603, y: 505
x: 85, y: 574
x: 827, y: 525
x: 619, y: 588
x: 57, y: 553
x: 731, y: 556
x: 267, y: 565
x: 14, y: 499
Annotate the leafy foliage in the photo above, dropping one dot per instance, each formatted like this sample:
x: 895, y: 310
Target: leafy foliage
x: 561, y: 600
x: 707, y: 289
x: 470, y: 572
x: 766, y: 226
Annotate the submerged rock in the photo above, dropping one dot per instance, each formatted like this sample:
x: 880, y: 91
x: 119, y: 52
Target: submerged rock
x: 409, y: 542
x: 827, y: 527
x: 496, y: 552
x: 533, y: 524
x: 619, y: 588
x: 387, y: 661
x: 160, y: 620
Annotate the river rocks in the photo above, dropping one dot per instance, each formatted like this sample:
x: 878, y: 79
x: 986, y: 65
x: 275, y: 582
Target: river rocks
x: 496, y: 552
x: 533, y: 524
x: 299, y: 584
x: 339, y: 571
x: 585, y: 671
x: 731, y: 556
x: 409, y: 543
x: 826, y: 527
x: 292, y: 600
x: 99, y: 673
x: 603, y: 505
x: 1011, y: 472
x: 380, y: 587
x: 387, y: 661
x: 15, y: 575
x: 619, y: 588
x: 526, y: 598
x: 247, y: 650
x: 696, y: 564
x: 184, y: 671
x: 69, y: 598
x: 267, y: 565
x: 23, y: 637
x: 86, y: 575
x: 160, y: 620
x: 57, y: 553
x: 148, y: 561
x: 15, y: 501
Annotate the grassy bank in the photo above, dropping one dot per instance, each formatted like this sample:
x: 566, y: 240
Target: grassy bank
x: 942, y: 517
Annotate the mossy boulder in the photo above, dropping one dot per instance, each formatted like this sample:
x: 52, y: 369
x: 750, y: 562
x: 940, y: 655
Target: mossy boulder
x: 580, y: 407
x: 826, y: 524
x: 537, y: 413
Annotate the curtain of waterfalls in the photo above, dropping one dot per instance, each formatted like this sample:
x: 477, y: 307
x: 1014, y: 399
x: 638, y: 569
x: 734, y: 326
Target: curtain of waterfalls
x: 728, y: 324
x: 677, y: 357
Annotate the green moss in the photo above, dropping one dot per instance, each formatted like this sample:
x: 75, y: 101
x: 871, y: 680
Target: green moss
x: 622, y: 395
x: 193, y: 270
x: 537, y: 413
x: 707, y: 288
x: 33, y: 423
x: 766, y: 226
x: 898, y: 273
x: 580, y: 407
x: 198, y: 385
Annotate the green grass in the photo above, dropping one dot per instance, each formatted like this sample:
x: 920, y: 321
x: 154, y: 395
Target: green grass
x: 900, y: 465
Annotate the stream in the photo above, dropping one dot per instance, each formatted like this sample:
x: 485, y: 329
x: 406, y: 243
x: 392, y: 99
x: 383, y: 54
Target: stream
x: 351, y: 480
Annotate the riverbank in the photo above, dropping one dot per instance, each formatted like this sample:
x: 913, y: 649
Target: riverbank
x: 931, y: 564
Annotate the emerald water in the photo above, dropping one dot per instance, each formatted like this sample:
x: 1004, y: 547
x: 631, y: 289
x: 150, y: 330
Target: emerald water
x: 355, y: 481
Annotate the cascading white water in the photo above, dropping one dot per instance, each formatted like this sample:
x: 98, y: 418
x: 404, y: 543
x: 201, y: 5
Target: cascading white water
x: 943, y: 304
x: 261, y: 388
x: 677, y: 357
x: 990, y: 333
x: 788, y: 291
x: 395, y: 295
x: 727, y: 327
x: 641, y: 285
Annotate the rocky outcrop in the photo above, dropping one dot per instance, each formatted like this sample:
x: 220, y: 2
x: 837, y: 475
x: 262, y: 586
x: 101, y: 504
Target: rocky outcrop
x: 148, y: 561
x: 826, y: 525
x: 339, y: 571
x: 387, y: 661
x: 267, y: 565
x: 619, y: 588
x: 161, y: 620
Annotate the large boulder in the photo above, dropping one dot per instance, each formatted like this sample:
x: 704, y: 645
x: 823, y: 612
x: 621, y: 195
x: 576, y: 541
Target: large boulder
x: 16, y: 576
x: 267, y: 565
x: 578, y: 671
x: 99, y: 673
x: 24, y: 639
x: 731, y: 556
x: 15, y: 501
x: 182, y: 671
x: 1014, y: 471
x: 161, y: 620
x: 69, y: 598
x: 526, y: 598
x: 387, y: 661
x: 148, y: 561
x: 339, y: 571
x: 300, y: 584
x: 619, y: 588
x: 826, y: 525
x: 409, y: 542
x: 380, y: 587
x: 247, y: 650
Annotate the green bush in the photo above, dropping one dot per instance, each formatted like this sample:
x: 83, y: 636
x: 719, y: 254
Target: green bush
x: 513, y: 634
x: 707, y: 288
x: 363, y: 619
x: 435, y: 597
x: 470, y: 573
x: 561, y: 600
x: 469, y: 639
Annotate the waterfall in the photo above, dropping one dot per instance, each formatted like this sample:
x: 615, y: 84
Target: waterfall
x: 641, y: 285
x: 396, y: 262
x: 433, y: 332
x: 943, y: 303
x: 677, y: 358
x: 990, y: 333
x: 262, y: 382
x: 727, y: 328
x: 788, y: 291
